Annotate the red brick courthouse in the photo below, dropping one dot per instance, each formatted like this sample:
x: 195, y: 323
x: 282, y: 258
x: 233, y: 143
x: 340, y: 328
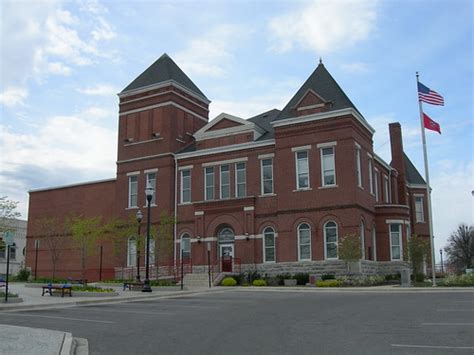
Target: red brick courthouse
x: 275, y: 192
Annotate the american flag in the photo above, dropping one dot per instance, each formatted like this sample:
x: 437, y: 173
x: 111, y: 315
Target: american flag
x: 425, y: 94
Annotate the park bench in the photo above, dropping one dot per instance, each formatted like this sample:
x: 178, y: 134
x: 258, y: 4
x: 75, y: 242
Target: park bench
x: 65, y: 289
x: 132, y: 284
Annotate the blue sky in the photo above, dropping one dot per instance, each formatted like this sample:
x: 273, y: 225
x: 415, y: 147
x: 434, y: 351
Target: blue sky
x: 62, y: 62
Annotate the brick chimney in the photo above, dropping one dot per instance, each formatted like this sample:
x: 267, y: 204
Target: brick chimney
x: 398, y: 161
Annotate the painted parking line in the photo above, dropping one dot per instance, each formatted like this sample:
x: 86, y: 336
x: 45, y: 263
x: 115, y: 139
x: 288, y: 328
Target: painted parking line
x: 53, y: 317
x: 448, y: 324
x: 432, y: 347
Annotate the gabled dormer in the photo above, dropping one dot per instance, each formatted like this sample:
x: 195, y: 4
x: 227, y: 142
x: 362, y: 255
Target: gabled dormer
x: 227, y: 129
x: 311, y: 102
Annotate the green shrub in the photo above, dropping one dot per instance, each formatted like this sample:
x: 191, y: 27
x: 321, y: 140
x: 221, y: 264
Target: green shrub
x: 361, y: 281
x: 392, y: 277
x: 253, y: 275
x: 12, y: 295
x: 22, y: 275
x: 302, y: 278
x: 229, y: 281
x: 48, y: 280
x: 272, y: 280
x: 329, y: 283
x: 282, y: 277
x: 465, y: 280
x: 259, y: 282
x: 162, y: 283
x: 419, y: 277
x: 325, y: 277
x: 91, y: 289
x: 241, y: 279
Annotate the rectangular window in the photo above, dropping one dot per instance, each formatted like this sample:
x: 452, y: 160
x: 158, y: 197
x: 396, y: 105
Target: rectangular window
x: 151, y: 181
x: 386, y: 189
x: 267, y: 176
x: 185, y: 186
x: 133, y: 191
x: 240, y: 180
x: 395, y: 242
x: 328, y: 169
x: 269, y: 240
x: 209, y: 183
x: 376, y: 185
x: 419, y: 209
x: 302, y: 170
x: 225, y: 181
x: 358, y: 171
x: 371, y: 177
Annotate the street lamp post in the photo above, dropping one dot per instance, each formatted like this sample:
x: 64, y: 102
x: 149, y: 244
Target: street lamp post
x: 149, y: 195
x: 139, y: 217
x: 442, y: 266
x: 209, y: 262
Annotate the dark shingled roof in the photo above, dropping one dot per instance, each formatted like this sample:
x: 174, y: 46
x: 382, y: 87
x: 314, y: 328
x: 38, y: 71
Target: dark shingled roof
x: 412, y: 175
x: 162, y: 70
x: 322, y: 83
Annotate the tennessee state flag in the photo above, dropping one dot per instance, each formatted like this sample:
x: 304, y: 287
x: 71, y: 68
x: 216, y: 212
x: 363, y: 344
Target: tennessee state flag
x: 430, y: 124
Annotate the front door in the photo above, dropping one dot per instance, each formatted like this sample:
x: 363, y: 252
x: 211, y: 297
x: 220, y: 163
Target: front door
x: 227, y: 254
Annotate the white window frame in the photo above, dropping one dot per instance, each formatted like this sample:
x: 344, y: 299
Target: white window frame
x: 265, y: 247
x: 376, y: 185
x: 298, y: 187
x: 419, y: 208
x: 371, y: 176
x: 130, y: 178
x: 386, y: 189
x: 262, y: 180
x: 326, y: 242
x: 221, y: 185
x: 237, y: 183
x: 132, y: 257
x: 206, y: 174
x: 400, y: 239
x: 182, y: 250
x: 324, y: 169
x: 362, y: 239
x: 374, y: 243
x: 299, y: 241
x: 358, y: 166
x: 153, y: 199
x: 182, y: 189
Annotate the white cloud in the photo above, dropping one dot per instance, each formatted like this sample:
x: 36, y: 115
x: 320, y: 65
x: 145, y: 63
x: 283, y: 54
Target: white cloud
x: 43, y: 38
x: 324, y: 26
x: 99, y: 90
x: 13, y: 96
x: 210, y: 54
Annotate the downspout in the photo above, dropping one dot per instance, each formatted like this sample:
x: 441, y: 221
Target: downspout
x: 390, y: 200
x: 175, y: 208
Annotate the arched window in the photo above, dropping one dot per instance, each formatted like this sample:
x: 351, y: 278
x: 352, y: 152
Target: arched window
x: 151, y: 261
x: 304, y: 242
x: 330, y: 240
x: 226, y: 235
x: 186, y: 246
x: 13, y: 251
x: 362, y: 240
x: 132, y: 252
x: 268, y: 245
x: 374, y: 244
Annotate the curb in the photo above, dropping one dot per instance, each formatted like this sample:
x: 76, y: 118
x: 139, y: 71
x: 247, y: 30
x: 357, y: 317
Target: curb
x: 396, y: 289
x: 104, y: 301
x: 66, y: 347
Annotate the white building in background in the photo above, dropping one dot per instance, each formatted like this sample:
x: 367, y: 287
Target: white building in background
x: 17, y: 250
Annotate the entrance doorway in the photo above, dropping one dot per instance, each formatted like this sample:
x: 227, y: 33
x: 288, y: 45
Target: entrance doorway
x: 227, y: 256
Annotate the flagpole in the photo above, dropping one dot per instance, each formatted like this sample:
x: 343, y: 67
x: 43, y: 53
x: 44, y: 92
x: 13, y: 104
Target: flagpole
x: 428, y: 190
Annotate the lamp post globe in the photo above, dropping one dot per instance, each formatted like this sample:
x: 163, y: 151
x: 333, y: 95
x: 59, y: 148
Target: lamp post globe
x: 139, y: 217
x: 149, y: 191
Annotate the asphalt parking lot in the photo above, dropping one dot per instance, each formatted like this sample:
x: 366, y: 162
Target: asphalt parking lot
x: 269, y: 322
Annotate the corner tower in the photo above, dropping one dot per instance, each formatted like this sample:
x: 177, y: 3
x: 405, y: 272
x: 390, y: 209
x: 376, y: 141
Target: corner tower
x: 159, y: 111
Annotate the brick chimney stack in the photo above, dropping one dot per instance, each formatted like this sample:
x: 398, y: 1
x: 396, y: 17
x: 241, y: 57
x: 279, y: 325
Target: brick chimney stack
x: 398, y: 161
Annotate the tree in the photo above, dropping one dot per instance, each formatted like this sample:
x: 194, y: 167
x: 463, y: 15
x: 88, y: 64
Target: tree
x: 460, y: 248
x: 349, y: 249
x: 418, y: 250
x: 85, y: 232
x: 54, y: 236
x: 7, y: 211
x: 165, y: 235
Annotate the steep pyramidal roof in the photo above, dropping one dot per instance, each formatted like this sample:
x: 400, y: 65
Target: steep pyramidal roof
x: 412, y: 174
x: 322, y: 83
x: 164, y: 69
